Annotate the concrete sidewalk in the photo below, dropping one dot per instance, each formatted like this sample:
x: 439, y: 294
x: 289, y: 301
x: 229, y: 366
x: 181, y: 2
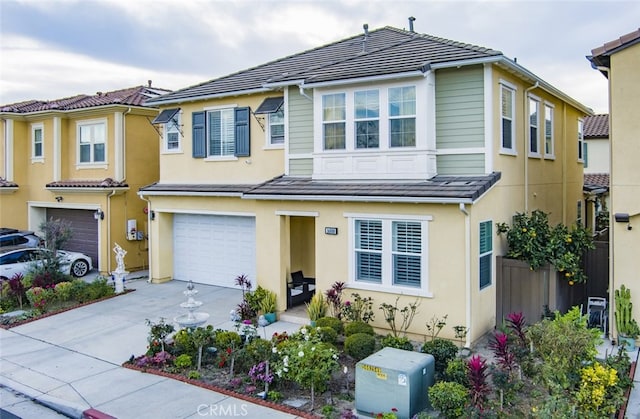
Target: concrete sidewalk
x: 72, y: 361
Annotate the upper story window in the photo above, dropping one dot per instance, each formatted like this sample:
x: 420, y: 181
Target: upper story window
x: 172, y: 129
x: 334, y: 117
x: 507, y: 115
x: 92, y: 137
x: 37, y: 141
x: 221, y: 132
x: 273, y: 108
x: 580, y: 140
x: 390, y: 253
x: 367, y: 119
x: 402, y: 116
x: 549, y: 151
x: 534, y: 122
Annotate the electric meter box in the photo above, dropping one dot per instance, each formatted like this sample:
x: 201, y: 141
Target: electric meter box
x: 394, y: 379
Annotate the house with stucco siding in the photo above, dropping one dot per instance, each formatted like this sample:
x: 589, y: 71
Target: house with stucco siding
x: 383, y: 160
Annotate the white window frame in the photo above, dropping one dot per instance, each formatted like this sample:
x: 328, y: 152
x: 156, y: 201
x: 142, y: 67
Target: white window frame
x: 549, y: 129
x: 92, y: 162
x: 172, y: 127
x: 535, y: 124
x: 386, y: 284
x: 580, y: 140
x: 37, y: 158
x: 403, y: 116
x: 366, y: 118
x: 332, y: 118
x: 269, y: 124
x: 229, y: 153
x: 506, y: 87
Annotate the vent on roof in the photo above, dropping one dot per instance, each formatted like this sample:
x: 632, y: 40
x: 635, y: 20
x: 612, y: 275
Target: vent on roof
x: 366, y: 36
x: 411, y: 20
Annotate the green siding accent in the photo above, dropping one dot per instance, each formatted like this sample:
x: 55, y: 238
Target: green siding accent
x: 301, y: 167
x: 460, y: 108
x: 460, y: 164
x: 300, y: 123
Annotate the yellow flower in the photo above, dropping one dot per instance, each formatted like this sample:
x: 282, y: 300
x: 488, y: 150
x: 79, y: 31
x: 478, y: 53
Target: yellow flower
x: 571, y: 282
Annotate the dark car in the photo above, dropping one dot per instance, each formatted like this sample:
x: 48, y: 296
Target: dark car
x: 14, y: 237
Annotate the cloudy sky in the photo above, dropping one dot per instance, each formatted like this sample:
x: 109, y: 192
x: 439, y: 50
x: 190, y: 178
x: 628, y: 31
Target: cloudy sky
x: 57, y: 48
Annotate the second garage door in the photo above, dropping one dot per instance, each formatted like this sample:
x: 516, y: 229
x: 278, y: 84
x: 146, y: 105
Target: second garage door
x: 214, y: 249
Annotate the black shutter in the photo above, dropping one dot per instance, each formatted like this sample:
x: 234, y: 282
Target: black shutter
x: 198, y: 135
x: 243, y: 137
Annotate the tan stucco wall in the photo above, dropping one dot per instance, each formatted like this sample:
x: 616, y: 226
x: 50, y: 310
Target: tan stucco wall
x: 625, y: 176
x: 262, y: 164
x: 24, y: 209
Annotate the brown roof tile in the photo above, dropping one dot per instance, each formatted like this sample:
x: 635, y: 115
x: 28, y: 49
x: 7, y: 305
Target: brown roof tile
x: 623, y: 41
x: 596, y: 126
x: 105, y: 183
x: 597, y: 179
x: 132, y: 96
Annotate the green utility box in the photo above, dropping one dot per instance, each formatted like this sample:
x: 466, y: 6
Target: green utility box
x: 394, y: 379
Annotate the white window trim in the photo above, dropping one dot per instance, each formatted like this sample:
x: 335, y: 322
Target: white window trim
x: 34, y: 127
x: 267, y: 131
x: 580, y: 140
x: 513, y: 151
x: 225, y: 157
x: 536, y: 154
x: 165, y: 140
x: 92, y: 165
x: 387, y: 266
x: 552, y: 155
x: 422, y: 108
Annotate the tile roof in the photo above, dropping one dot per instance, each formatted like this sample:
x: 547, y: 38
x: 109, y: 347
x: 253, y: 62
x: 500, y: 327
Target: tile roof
x: 601, y: 56
x: 596, y: 179
x: 596, y: 126
x: 382, y: 51
x: 438, y: 189
x: 132, y: 96
x: 105, y: 183
x: 7, y: 184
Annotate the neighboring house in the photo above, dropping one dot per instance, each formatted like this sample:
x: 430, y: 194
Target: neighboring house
x: 619, y: 61
x: 82, y: 159
x: 383, y: 160
x: 596, y: 172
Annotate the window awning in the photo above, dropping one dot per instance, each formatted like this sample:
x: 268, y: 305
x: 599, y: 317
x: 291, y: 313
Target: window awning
x: 165, y: 116
x: 270, y: 105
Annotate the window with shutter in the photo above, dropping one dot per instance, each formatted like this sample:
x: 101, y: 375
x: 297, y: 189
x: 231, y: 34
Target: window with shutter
x: 407, y: 253
x: 486, y: 253
x: 369, y: 251
x: 221, y: 133
x: 242, y: 134
x: 199, y: 149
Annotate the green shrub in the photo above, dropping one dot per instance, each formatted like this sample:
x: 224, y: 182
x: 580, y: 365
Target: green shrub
x: 63, y: 290
x: 184, y: 343
x: 183, y: 361
x: 398, y: 342
x: 228, y: 339
x: 443, y: 351
x: 194, y: 375
x: 457, y: 371
x: 333, y: 322
x: 359, y: 345
x: 258, y: 350
x: 352, y: 328
x: 325, y: 334
x: 449, y: 398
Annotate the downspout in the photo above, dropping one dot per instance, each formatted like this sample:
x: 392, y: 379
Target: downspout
x: 148, y: 235
x: 564, y: 162
x: 301, y: 87
x: 467, y: 273
x: 526, y: 147
x: 612, y: 280
x: 113, y: 192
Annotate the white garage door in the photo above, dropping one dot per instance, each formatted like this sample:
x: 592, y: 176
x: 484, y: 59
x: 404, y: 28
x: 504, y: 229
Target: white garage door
x: 214, y: 249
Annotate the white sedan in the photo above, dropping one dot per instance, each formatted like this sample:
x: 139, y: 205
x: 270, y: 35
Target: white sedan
x: 22, y: 260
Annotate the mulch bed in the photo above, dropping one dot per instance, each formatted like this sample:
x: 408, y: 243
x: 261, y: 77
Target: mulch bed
x: 62, y: 310
x: 227, y: 392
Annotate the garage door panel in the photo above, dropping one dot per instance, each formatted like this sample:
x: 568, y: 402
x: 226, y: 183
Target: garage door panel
x: 85, y: 230
x: 213, y: 249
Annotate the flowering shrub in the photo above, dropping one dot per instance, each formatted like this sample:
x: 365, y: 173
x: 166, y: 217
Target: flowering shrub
x: 40, y: 298
x: 306, y: 361
x: 259, y: 373
x: 63, y: 290
x: 531, y: 239
x: 334, y: 298
x: 594, y: 395
x: 360, y: 309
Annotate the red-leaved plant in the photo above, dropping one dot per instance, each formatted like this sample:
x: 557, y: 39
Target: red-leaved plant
x: 500, y: 347
x: 479, y: 387
x: 516, y: 322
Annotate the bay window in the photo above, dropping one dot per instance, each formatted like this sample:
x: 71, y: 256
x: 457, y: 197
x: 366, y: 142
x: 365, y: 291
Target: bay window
x: 334, y: 121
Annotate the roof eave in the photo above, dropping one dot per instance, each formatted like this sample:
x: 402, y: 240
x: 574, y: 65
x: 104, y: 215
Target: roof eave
x: 154, y: 102
x: 88, y: 189
x: 189, y: 193
x: 353, y: 198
